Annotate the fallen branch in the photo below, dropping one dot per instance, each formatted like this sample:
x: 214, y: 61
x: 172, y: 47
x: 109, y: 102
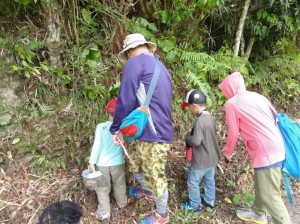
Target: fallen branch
x: 29, y: 222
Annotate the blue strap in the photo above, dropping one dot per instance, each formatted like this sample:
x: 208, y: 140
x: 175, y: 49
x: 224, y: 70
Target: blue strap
x: 153, y: 82
x: 288, y: 189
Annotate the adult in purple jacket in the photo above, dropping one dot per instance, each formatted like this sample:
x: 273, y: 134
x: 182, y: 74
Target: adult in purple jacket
x: 152, y: 147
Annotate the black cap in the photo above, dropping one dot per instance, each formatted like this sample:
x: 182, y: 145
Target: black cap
x: 194, y: 96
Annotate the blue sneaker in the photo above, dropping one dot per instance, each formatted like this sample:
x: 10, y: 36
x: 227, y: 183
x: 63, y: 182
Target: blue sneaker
x: 186, y: 207
x: 155, y: 219
x: 139, y: 193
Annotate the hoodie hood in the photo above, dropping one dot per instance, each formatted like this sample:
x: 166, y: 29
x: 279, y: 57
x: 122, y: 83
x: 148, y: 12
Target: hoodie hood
x: 232, y: 84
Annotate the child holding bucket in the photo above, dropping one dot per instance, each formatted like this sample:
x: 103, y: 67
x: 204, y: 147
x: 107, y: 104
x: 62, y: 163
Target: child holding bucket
x: 109, y: 160
x: 205, y: 153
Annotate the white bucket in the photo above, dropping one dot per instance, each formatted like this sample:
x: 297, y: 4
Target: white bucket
x: 91, y: 179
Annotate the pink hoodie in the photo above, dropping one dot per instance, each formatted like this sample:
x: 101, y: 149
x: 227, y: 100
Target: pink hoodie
x: 251, y: 115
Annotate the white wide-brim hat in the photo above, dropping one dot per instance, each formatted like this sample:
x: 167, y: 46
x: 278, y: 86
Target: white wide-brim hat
x: 132, y: 41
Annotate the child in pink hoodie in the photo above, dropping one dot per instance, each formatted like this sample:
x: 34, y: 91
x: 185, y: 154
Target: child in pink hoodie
x: 251, y: 115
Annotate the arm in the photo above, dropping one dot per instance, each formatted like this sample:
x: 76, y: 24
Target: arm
x: 232, y: 122
x: 96, y: 148
x: 195, y: 138
x: 127, y: 98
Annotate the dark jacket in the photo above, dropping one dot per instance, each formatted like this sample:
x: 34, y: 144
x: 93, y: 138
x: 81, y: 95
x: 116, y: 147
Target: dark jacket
x: 203, y: 140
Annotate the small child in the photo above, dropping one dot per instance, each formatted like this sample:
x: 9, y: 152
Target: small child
x: 109, y: 159
x: 205, y: 154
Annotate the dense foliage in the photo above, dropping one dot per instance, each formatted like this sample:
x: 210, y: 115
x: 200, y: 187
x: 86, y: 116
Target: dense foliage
x: 67, y: 50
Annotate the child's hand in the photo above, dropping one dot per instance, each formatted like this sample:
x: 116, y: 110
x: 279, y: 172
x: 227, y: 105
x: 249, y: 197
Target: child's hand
x: 91, y: 166
x: 118, y: 139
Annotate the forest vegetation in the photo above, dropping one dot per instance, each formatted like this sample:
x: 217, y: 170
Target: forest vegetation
x: 60, y: 59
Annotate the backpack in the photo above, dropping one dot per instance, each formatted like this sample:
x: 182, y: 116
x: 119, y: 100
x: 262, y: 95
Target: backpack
x: 290, y: 132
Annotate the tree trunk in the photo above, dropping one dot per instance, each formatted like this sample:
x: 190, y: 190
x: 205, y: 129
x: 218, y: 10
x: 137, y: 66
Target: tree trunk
x: 249, y: 48
x: 54, y: 32
x: 240, y: 28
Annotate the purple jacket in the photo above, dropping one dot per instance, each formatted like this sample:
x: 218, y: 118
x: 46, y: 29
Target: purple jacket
x: 136, y: 78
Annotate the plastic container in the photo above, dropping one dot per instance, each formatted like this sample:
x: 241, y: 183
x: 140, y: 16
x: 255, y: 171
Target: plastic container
x: 91, y: 179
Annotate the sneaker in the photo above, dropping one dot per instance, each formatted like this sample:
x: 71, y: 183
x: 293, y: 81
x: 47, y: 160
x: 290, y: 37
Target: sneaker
x: 103, y: 218
x: 139, y: 193
x: 186, y: 206
x: 203, y: 202
x: 249, y: 215
x: 155, y: 219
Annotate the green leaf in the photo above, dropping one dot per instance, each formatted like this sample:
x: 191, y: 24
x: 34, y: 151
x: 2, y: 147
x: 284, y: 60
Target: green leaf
x: 5, y: 119
x: 167, y: 45
x: 249, y: 197
x: 24, y: 63
x: 209, y: 209
x: 16, y: 141
x: 86, y: 15
x: 23, y: 2
x: 93, y: 54
x: 236, y: 199
x: 15, y: 68
x: 45, y: 67
x: 165, y: 16
x: 27, y: 74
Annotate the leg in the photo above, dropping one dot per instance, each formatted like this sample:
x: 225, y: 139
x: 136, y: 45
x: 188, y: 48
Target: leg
x: 154, y: 158
x: 268, y: 195
x: 161, y: 203
x: 119, y: 184
x: 139, y: 176
x: 194, y: 178
x: 209, y: 187
x: 103, y: 192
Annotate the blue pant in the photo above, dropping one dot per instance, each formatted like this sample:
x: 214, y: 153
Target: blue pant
x: 194, y: 178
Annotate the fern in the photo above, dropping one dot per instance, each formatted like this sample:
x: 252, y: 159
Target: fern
x: 140, y: 25
x: 45, y: 109
x: 35, y: 45
x: 196, y: 56
x: 198, y: 81
x: 5, y: 119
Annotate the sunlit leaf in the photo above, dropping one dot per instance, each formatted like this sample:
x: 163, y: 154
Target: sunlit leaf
x: 228, y: 200
x: 16, y: 141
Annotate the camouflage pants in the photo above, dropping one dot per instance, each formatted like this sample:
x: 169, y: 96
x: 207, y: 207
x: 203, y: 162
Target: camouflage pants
x: 150, y: 159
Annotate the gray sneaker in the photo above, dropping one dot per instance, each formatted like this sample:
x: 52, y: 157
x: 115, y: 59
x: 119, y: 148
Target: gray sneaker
x: 249, y: 215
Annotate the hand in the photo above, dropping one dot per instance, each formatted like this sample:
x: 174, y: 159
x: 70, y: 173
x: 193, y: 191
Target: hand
x: 91, y: 166
x: 118, y: 139
x: 227, y: 158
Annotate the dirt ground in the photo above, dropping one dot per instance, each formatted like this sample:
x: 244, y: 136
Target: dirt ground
x: 24, y: 195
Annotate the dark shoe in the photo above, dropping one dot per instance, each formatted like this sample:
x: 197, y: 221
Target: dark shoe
x: 139, y: 193
x: 186, y: 206
x: 203, y: 202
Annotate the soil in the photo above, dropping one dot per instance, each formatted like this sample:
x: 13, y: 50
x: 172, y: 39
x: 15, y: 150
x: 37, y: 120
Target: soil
x: 24, y: 195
